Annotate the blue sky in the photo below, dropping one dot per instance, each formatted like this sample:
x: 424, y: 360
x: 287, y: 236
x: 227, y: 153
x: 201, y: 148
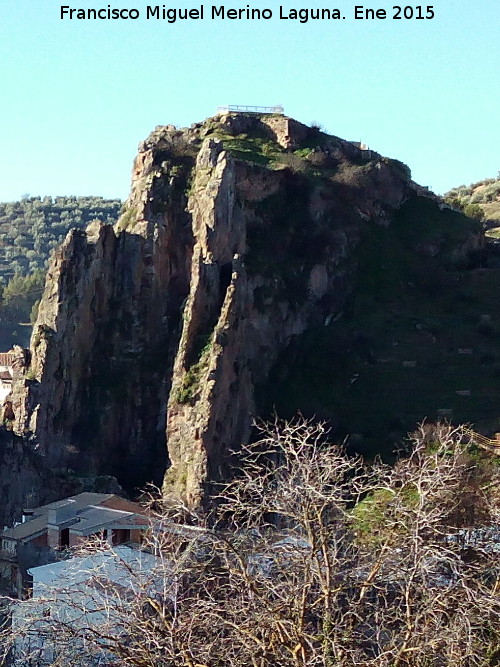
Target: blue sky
x: 76, y: 97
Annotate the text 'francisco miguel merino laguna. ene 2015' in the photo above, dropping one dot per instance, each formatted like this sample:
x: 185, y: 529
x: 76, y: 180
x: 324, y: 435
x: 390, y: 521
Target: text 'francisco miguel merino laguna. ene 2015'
x: 200, y: 12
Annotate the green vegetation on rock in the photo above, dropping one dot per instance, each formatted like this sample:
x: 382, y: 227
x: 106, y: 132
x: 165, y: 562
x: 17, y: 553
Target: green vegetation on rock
x: 127, y: 219
x: 417, y: 339
x: 259, y: 147
x: 190, y: 384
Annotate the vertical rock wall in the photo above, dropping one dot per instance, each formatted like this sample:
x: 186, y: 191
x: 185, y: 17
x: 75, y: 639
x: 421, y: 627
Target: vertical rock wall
x: 152, y: 335
x: 93, y: 398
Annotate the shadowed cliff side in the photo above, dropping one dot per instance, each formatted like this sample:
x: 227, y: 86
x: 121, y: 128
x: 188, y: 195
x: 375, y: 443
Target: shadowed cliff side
x: 240, y: 233
x: 101, y: 351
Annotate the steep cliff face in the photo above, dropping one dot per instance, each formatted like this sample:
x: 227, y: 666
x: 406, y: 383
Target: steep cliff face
x: 240, y: 233
x: 96, y: 387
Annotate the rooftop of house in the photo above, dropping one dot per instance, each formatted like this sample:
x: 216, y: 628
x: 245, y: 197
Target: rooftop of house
x: 113, y: 565
x: 94, y: 517
x: 84, y: 513
x: 81, y: 499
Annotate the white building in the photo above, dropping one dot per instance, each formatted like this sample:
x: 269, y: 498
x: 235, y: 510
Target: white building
x: 74, y: 598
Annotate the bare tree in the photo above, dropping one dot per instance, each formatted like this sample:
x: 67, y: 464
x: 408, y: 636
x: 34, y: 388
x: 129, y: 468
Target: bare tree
x: 308, y: 557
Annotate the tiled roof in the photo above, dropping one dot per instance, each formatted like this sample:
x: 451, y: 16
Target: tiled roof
x: 6, y: 359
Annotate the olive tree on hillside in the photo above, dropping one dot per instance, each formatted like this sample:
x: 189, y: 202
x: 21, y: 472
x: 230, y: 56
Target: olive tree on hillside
x: 308, y: 557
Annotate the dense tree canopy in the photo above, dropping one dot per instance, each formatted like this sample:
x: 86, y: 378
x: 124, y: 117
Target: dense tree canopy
x: 21, y: 296
x: 32, y: 227
x: 29, y: 230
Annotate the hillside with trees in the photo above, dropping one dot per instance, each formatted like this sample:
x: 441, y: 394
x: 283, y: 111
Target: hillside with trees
x: 29, y: 230
x: 480, y: 200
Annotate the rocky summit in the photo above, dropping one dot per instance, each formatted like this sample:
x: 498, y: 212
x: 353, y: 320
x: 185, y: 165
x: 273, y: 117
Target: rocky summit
x: 156, y: 337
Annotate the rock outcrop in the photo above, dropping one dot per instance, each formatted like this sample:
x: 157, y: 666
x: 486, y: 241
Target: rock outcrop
x: 239, y: 234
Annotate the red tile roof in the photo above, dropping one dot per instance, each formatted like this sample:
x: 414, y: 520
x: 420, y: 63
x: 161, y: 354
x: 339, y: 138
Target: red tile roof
x: 6, y: 359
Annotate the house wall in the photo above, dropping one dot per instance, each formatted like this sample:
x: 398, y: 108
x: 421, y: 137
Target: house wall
x: 75, y: 539
x: 117, y: 503
x: 53, y: 537
x: 136, y: 536
x: 40, y: 541
x: 5, y: 388
x: 8, y: 547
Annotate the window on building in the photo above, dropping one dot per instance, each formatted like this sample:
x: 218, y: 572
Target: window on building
x: 64, y: 539
x: 121, y: 535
